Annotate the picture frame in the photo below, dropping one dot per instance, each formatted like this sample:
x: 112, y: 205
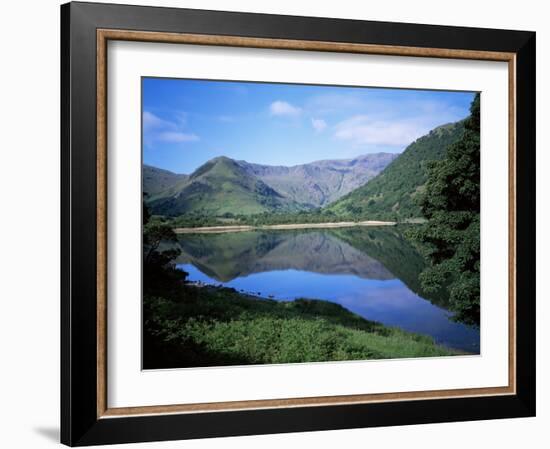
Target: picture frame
x: 86, y: 30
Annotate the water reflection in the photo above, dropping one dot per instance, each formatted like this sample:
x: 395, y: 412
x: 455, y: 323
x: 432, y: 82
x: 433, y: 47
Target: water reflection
x: 371, y: 271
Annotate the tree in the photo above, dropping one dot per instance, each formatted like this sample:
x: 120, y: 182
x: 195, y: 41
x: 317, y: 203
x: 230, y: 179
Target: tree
x: 159, y: 273
x: 153, y: 235
x: 451, y: 235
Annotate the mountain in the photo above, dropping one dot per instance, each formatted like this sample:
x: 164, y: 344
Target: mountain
x: 254, y: 188
x: 391, y: 194
x: 156, y: 180
x: 319, y: 183
x: 220, y: 186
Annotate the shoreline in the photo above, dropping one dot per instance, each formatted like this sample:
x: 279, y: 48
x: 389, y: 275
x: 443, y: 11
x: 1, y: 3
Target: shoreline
x: 260, y: 297
x: 297, y: 331
x: 243, y: 228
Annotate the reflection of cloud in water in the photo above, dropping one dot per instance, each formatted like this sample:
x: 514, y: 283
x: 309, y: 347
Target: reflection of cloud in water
x: 393, y: 304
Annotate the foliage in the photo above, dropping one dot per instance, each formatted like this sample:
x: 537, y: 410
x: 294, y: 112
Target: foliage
x: 186, y: 325
x: 209, y: 326
x: 392, y: 195
x: 159, y: 250
x: 199, y: 219
x: 451, y: 235
x: 153, y: 235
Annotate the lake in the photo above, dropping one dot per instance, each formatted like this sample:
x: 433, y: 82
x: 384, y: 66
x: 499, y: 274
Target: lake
x: 372, y: 272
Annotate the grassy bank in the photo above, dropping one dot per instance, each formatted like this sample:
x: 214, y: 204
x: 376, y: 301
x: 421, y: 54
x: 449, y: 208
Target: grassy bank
x: 213, y: 326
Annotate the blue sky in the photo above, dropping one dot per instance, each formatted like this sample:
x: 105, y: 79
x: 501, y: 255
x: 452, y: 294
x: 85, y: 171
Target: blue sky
x: 188, y: 122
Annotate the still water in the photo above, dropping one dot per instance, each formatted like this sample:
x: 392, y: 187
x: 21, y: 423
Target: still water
x: 372, y: 272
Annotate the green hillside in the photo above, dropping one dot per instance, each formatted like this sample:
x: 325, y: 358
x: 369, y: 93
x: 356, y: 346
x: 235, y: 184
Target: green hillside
x: 155, y: 180
x: 218, y: 187
x: 392, y: 195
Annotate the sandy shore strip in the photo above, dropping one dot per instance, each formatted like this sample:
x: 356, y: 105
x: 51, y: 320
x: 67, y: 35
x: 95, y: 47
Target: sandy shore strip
x: 213, y: 229
x: 222, y: 229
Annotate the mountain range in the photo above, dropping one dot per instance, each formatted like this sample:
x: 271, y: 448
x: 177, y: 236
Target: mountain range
x: 223, y: 185
x: 373, y: 186
x: 319, y: 183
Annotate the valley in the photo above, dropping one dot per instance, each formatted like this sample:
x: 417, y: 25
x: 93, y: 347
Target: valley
x: 228, y: 194
x: 371, y: 257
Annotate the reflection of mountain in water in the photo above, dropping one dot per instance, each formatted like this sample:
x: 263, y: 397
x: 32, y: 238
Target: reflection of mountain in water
x: 228, y: 256
x: 369, y: 253
x: 396, y: 253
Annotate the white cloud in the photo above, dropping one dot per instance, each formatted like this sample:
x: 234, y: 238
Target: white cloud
x: 156, y: 129
x: 318, y: 124
x: 176, y: 137
x: 362, y: 129
x: 282, y: 108
x: 151, y: 121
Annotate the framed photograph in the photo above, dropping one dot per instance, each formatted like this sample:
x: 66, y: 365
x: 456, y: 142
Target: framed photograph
x: 281, y: 224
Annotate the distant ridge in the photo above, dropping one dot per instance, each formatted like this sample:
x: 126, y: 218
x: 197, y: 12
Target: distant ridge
x: 223, y: 185
x: 321, y: 182
x: 156, y: 180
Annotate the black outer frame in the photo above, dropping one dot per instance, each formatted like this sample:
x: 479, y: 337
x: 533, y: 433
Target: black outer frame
x: 79, y: 423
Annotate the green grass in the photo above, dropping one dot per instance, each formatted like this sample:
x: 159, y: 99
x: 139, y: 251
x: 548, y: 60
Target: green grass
x: 212, y: 326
